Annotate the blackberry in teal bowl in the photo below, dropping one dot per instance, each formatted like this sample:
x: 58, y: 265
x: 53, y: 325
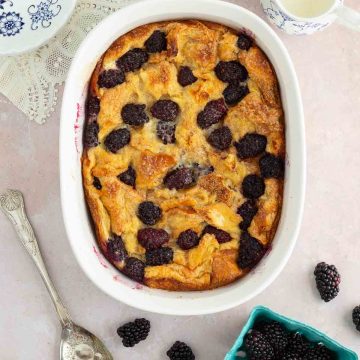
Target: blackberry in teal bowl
x: 271, y: 336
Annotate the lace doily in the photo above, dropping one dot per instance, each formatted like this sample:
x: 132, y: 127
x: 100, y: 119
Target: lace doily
x: 30, y: 81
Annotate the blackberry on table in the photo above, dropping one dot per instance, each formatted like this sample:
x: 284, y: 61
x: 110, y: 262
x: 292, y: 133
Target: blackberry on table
x: 91, y: 135
x: 275, y: 334
x: 134, y: 332
x: 116, y: 250
x: 214, y: 111
x: 110, y: 78
x: 188, y: 239
x: 356, y: 317
x: 159, y: 256
x: 149, y: 213
x: 247, y: 211
x: 166, y: 132
x: 257, y: 347
x: 132, y: 60
x: 253, y: 186
x: 220, y: 235
x: 96, y: 183
x: 185, y: 76
x: 251, y: 145
x: 244, y: 42
x: 230, y: 71
x: 117, y: 139
x: 165, y: 110
x: 134, y: 114
x: 180, y: 351
x: 271, y: 166
x: 156, y: 42
x: 220, y: 138
x: 151, y: 238
x: 327, y: 280
x: 128, y: 177
x: 134, y: 269
x: 180, y: 178
x: 251, y: 251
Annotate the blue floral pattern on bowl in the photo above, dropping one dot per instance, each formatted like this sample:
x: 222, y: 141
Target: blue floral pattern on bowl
x: 43, y: 13
x: 11, y: 23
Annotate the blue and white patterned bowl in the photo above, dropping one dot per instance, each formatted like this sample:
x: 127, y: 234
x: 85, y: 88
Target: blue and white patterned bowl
x: 27, y: 24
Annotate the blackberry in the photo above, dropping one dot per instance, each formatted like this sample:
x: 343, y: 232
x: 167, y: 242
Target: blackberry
x: 134, y: 114
x: 220, y: 138
x: 180, y: 178
x: 116, y: 250
x: 244, y: 42
x: 180, y: 351
x: 253, y: 186
x: 92, y: 106
x: 132, y: 60
x: 320, y: 352
x: 250, y: 145
x: 327, y: 281
x: 185, y: 76
x: 165, y: 110
x: 234, y: 93
x: 214, y: 111
x: 151, y: 238
x: 97, y: 183
x: 298, y: 344
x: 134, y: 269
x: 247, y: 211
x: 356, y: 317
x: 291, y: 356
x: 220, y: 235
x: 166, y: 132
x: 149, y: 213
x: 160, y: 256
x: 91, y: 135
x: 276, y: 335
x: 257, y: 347
x: 156, y: 42
x: 117, y: 139
x: 134, y: 332
x: 250, y: 252
x: 110, y: 78
x: 188, y: 239
x: 230, y: 71
x: 128, y: 177
x: 271, y: 166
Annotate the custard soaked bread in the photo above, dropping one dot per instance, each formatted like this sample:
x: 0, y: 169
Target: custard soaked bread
x: 183, y: 158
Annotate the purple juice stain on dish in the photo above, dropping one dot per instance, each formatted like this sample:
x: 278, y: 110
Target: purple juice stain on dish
x: 100, y: 258
x: 77, y: 127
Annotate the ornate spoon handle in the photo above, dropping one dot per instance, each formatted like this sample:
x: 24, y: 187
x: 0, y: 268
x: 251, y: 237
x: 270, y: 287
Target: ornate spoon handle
x: 12, y: 204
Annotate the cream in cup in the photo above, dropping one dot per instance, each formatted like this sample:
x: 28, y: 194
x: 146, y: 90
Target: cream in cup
x: 304, y: 17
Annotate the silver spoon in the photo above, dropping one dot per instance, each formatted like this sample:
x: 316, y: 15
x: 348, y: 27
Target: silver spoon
x: 76, y: 342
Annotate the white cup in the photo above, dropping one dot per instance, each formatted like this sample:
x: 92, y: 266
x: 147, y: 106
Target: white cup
x: 304, y: 17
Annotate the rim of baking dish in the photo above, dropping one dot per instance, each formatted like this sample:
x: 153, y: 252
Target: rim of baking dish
x: 76, y: 219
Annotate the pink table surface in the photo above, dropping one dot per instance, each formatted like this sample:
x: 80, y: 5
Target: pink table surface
x: 328, y: 66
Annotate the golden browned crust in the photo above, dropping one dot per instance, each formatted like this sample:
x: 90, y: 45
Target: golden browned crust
x: 216, y: 196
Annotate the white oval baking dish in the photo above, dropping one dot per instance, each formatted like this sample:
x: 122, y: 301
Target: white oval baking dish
x: 76, y: 218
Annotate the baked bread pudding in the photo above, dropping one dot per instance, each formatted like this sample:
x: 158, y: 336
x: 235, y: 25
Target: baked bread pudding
x: 183, y: 159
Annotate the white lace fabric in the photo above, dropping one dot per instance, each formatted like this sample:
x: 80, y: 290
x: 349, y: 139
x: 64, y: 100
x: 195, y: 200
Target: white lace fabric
x: 30, y: 81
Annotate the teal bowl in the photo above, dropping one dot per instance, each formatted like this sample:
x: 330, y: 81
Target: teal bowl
x: 260, y: 313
